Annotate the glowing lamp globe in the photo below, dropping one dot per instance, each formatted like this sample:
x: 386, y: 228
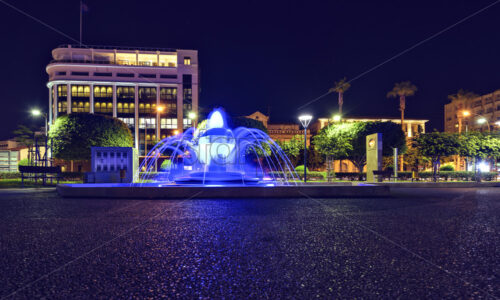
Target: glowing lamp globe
x: 305, y: 120
x: 481, y: 121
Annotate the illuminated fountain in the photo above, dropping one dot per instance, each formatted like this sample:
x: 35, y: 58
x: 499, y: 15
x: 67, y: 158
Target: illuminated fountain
x: 215, y: 154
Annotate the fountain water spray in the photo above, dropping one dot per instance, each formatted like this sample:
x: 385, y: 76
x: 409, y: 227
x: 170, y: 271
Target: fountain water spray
x: 217, y: 155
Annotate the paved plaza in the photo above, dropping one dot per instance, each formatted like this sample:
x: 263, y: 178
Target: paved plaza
x: 424, y: 243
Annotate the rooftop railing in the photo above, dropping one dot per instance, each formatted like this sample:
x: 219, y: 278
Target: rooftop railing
x: 76, y: 46
x: 119, y: 63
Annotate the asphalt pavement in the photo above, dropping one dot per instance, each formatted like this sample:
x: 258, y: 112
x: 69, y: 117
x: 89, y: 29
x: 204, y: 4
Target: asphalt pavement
x: 422, y: 243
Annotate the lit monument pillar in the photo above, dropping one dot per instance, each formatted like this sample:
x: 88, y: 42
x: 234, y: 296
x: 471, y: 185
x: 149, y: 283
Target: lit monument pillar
x: 373, y: 155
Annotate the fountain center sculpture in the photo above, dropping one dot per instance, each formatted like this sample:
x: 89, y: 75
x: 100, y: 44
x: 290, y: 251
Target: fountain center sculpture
x: 215, y: 154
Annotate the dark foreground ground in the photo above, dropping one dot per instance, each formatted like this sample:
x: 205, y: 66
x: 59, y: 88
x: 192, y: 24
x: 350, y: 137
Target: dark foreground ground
x: 427, y: 244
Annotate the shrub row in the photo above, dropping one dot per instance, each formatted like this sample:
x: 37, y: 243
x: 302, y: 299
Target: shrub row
x: 10, y: 175
x: 445, y: 175
x: 67, y: 176
x: 459, y: 175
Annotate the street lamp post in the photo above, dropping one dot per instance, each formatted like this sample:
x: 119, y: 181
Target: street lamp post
x: 194, y: 118
x: 483, y: 120
x: 36, y: 113
x: 305, y: 120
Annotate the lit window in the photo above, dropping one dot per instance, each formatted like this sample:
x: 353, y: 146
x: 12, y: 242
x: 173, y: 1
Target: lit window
x: 128, y: 121
x: 187, y: 123
x: 187, y: 60
x: 168, y: 123
x: 150, y: 122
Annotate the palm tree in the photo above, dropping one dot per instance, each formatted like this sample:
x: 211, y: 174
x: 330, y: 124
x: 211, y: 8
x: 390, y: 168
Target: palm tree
x: 340, y: 87
x: 402, y: 90
x: 462, y: 95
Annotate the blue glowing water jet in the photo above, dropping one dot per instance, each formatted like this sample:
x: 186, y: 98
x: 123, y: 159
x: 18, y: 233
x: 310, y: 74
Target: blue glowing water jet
x: 215, y: 154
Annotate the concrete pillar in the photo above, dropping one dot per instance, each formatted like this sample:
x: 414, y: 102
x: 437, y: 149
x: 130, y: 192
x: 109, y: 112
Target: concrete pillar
x: 180, y: 108
x: 91, y: 98
x: 68, y: 98
x: 51, y: 107
x: 115, y: 114
x: 56, y: 112
x: 136, y: 118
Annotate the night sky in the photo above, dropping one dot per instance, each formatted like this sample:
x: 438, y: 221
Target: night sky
x: 277, y: 55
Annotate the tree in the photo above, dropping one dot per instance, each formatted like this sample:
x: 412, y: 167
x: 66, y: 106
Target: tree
x: 402, y: 90
x: 292, y: 148
x: 436, y: 145
x: 392, y: 137
x: 73, y: 135
x: 340, y: 87
x: 24, y: 135
x: 477, y: 145
x: 348, y: 140
x: 336, y: 140
x: 314, y: 158
x: 462, y: 95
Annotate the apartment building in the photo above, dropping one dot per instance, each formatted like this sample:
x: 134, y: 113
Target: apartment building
x: 476, y: 114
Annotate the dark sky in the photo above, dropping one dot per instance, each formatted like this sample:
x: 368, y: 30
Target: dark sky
x: 255, y: 54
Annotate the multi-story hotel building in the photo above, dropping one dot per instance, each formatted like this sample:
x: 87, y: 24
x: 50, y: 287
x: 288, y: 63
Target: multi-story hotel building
x: 463, y: 114
x: 127, y: 83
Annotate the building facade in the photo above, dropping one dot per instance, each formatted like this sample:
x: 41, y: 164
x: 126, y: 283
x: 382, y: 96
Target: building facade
x: 151, y: 90
x: 463, y: 114
x: 282, y: 132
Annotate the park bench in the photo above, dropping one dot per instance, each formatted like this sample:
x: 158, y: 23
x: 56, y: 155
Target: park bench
x: 39, y: 172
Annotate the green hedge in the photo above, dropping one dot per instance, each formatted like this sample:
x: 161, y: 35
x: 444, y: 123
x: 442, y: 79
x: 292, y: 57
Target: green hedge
x: 350, y: 175
x: 72, y: 176
x: 447, y: 168
x: 459, y: 175
x: 311, y: 175
x: 10, y: 175
x: 300, y: 169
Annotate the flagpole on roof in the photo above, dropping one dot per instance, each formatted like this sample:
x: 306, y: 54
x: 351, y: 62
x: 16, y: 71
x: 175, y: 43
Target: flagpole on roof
x: 81, y: 11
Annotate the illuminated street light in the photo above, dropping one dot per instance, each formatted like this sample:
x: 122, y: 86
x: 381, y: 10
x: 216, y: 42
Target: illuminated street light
x: 305, y: 120
x: 337, y: 118
x: 481, y: 120
x: 466, y: 113
x: 160, y: 109
x: 194, y: 118
x: 36, y: 113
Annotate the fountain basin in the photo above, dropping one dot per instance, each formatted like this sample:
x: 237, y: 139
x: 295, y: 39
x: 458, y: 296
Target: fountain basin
x: 180, y: 192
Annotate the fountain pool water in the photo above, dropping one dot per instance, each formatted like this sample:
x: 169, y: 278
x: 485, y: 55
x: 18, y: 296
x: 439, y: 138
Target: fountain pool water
x: 214, y: 155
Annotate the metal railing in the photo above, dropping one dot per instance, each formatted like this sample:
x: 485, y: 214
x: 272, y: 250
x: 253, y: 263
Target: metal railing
x: 101, y: 62
x: 76, y: 46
